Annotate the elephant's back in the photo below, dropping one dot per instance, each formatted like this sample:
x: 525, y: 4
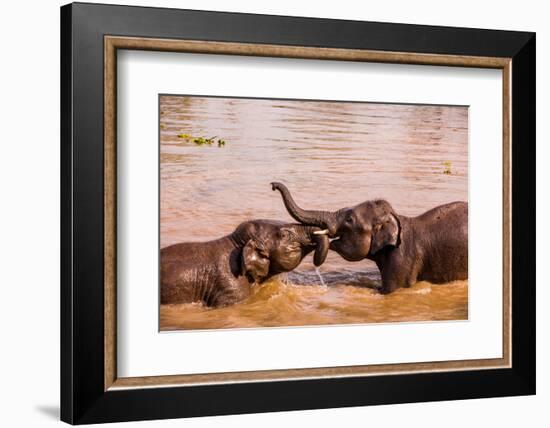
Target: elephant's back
x: 183, y: 251
x: 453, y: 212
x: 446, y: 221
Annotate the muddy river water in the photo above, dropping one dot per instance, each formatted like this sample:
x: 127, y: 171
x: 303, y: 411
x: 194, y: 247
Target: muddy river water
x: 330, y: 155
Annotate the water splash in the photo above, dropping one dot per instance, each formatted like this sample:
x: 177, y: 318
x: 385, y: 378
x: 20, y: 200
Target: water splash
x: 276, y: 305
x: 318, y: 272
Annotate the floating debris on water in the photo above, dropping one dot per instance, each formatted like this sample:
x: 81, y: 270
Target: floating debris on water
x: 201, y: 141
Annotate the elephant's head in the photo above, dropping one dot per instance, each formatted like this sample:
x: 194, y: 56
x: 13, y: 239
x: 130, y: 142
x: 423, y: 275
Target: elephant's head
x: 270, y: 247
x: 358, y: 232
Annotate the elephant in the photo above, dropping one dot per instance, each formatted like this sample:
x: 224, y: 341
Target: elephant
x: 221, y: 272
x: 431, y: 247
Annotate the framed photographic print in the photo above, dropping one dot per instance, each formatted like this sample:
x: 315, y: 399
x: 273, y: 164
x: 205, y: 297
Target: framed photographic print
x: 264, y: 213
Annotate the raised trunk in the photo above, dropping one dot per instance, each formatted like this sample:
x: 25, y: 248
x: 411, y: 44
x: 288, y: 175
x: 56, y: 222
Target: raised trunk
x: 324, y: 219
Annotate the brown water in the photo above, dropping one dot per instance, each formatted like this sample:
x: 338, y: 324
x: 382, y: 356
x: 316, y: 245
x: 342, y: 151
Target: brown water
x: 330, y: 155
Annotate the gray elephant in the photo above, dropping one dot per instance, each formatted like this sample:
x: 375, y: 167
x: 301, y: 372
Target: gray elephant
x: 221, y: 272
x: 431, y: 247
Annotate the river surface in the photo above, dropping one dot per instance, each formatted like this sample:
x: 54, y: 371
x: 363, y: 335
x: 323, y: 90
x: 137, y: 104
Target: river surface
x: 330, y: 155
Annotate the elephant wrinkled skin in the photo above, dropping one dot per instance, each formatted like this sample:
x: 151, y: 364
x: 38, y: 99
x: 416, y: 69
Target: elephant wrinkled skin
x: 431, y: 247
x: 221, y: 272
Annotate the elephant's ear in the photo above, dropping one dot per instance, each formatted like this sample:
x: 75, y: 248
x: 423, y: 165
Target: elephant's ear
x: 385, y: 232
x: 255, y: 261
x: 321, y: 250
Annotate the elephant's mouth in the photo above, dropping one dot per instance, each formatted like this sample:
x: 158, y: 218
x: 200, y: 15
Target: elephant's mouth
x: 327, y: 232
x: 343, y: 250
x: 335, y: 243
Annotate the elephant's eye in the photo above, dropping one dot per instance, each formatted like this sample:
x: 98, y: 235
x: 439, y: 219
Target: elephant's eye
x: 349, y: 219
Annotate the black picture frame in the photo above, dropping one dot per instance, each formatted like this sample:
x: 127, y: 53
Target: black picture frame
x: 83, y: 398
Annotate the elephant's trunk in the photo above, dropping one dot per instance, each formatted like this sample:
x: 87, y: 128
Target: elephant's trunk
x: 325, y: 219
x: 310, y: 234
